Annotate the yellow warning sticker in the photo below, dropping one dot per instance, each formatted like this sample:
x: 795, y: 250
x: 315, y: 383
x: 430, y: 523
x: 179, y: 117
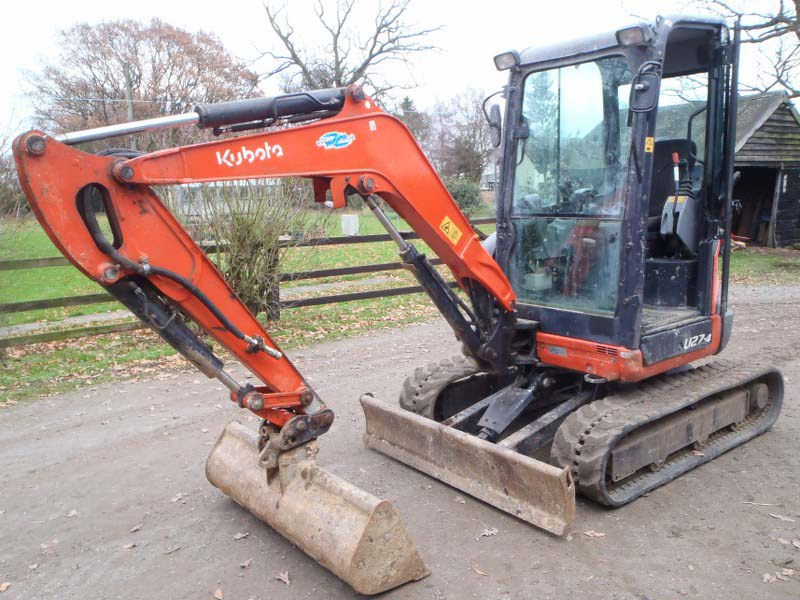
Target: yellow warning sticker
x: 449, y: 228
x: 649, y: 143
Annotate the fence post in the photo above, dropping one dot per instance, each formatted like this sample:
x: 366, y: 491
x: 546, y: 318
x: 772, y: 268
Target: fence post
x: 274, y: 301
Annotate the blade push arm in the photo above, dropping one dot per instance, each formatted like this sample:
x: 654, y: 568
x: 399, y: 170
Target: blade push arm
x: 153, y: 267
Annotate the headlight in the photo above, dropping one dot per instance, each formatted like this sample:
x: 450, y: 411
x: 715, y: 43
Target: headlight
x: 506, y: 60
x: 633, y: 36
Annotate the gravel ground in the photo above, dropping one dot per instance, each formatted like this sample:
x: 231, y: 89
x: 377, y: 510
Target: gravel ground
x: 80, y: 471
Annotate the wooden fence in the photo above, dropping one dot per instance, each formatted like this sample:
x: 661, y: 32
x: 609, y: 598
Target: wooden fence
x: 89, y: 299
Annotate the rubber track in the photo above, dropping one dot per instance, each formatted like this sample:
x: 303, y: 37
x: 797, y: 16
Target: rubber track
x: 421, y: 390
x: 585, y: 439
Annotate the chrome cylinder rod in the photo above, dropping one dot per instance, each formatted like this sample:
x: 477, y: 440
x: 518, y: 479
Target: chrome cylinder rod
x: 387, y: 224
x: 228, y: 381
x: 100, y: 133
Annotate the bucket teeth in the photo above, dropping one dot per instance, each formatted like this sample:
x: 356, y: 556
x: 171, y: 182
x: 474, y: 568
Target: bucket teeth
x: 358, y: 537
x: 532, y: 490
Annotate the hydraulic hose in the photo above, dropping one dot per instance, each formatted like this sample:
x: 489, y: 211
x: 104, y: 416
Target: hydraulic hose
x: 144, y: 269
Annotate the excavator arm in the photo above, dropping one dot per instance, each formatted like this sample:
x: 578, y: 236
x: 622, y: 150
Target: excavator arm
x: 152, y: 265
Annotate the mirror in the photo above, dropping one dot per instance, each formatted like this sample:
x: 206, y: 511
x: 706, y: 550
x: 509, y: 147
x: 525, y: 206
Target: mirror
x: 495, y: 125
x: 644, y: 92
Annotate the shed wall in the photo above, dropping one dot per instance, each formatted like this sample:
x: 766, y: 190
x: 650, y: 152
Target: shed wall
x: 776, y: 142
x: 787, y: 217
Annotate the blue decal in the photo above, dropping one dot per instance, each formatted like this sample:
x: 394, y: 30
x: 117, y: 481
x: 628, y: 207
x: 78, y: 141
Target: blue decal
x: 335, y: 140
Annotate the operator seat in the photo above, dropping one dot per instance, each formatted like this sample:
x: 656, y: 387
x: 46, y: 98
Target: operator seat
x: 663, y: 182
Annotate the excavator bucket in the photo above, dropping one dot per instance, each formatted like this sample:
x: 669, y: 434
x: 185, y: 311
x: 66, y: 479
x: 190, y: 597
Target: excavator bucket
x: 354, y: 534
x: 532, y: 490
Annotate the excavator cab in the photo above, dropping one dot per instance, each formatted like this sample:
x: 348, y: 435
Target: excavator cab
x: 612, y: 207
x: 613, y: 228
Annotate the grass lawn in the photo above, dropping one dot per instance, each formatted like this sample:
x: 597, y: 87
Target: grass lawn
x: 27, y: 240
x: 765, y: 266
x: 53, y: 367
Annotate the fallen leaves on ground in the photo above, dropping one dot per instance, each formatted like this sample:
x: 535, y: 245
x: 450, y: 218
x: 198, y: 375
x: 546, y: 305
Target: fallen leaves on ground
x: 594, y: 534
x: 4, y: 586
x: 136, y: 528
x: 781, y: 518
x: 241, y: 536
x: 47, y: 545
x: 218, y: 594
x: 479, y: 572
x: 488, y: 532
x: 284, y: 577
x: 781, y: 540
x: 782, y: 575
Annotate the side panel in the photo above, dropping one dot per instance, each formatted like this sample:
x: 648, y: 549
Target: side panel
x: 674, y: 342
x: 616, y: 363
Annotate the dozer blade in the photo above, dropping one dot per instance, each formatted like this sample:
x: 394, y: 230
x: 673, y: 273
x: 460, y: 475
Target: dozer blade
x: 522, y: 486
x: 354, y: 534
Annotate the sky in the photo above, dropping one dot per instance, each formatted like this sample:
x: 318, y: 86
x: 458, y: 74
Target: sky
x: 472, y: 33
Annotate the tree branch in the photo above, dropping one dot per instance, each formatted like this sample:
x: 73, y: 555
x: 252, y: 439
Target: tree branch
x: 348, y: 59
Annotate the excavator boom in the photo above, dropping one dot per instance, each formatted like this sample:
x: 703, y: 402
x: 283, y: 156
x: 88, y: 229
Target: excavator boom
x: 359, y: 150
x: 151, y: 265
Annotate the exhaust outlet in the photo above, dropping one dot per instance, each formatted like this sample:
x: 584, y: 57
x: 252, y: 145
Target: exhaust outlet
x: 358, y: 537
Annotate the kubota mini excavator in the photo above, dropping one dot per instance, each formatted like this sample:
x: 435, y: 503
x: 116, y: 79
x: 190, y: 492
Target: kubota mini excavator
x: 607, y: 277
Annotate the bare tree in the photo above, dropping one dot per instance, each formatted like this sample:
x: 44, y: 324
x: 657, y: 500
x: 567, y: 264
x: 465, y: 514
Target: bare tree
x: 459, y: 144
x: 12, y: 200
x: 417, y: 121
x: 772, y: 27
x: 350, y: 53
x: 112, y: 71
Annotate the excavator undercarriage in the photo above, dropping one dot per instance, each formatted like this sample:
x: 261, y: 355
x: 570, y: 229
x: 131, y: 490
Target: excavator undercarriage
x: 580, y: 319
x: 610, y: 443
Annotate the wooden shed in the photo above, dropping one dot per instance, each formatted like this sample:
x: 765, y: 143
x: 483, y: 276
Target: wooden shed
x: 767, y: 190
x: 768, y: 160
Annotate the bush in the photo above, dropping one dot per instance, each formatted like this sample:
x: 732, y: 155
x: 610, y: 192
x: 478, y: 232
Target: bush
x: 12, y: 201
x: 466, y: 193
x: 248, y: 221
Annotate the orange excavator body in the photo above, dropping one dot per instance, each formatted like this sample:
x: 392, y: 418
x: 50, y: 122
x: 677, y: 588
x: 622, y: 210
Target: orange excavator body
x: 547, y: 369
